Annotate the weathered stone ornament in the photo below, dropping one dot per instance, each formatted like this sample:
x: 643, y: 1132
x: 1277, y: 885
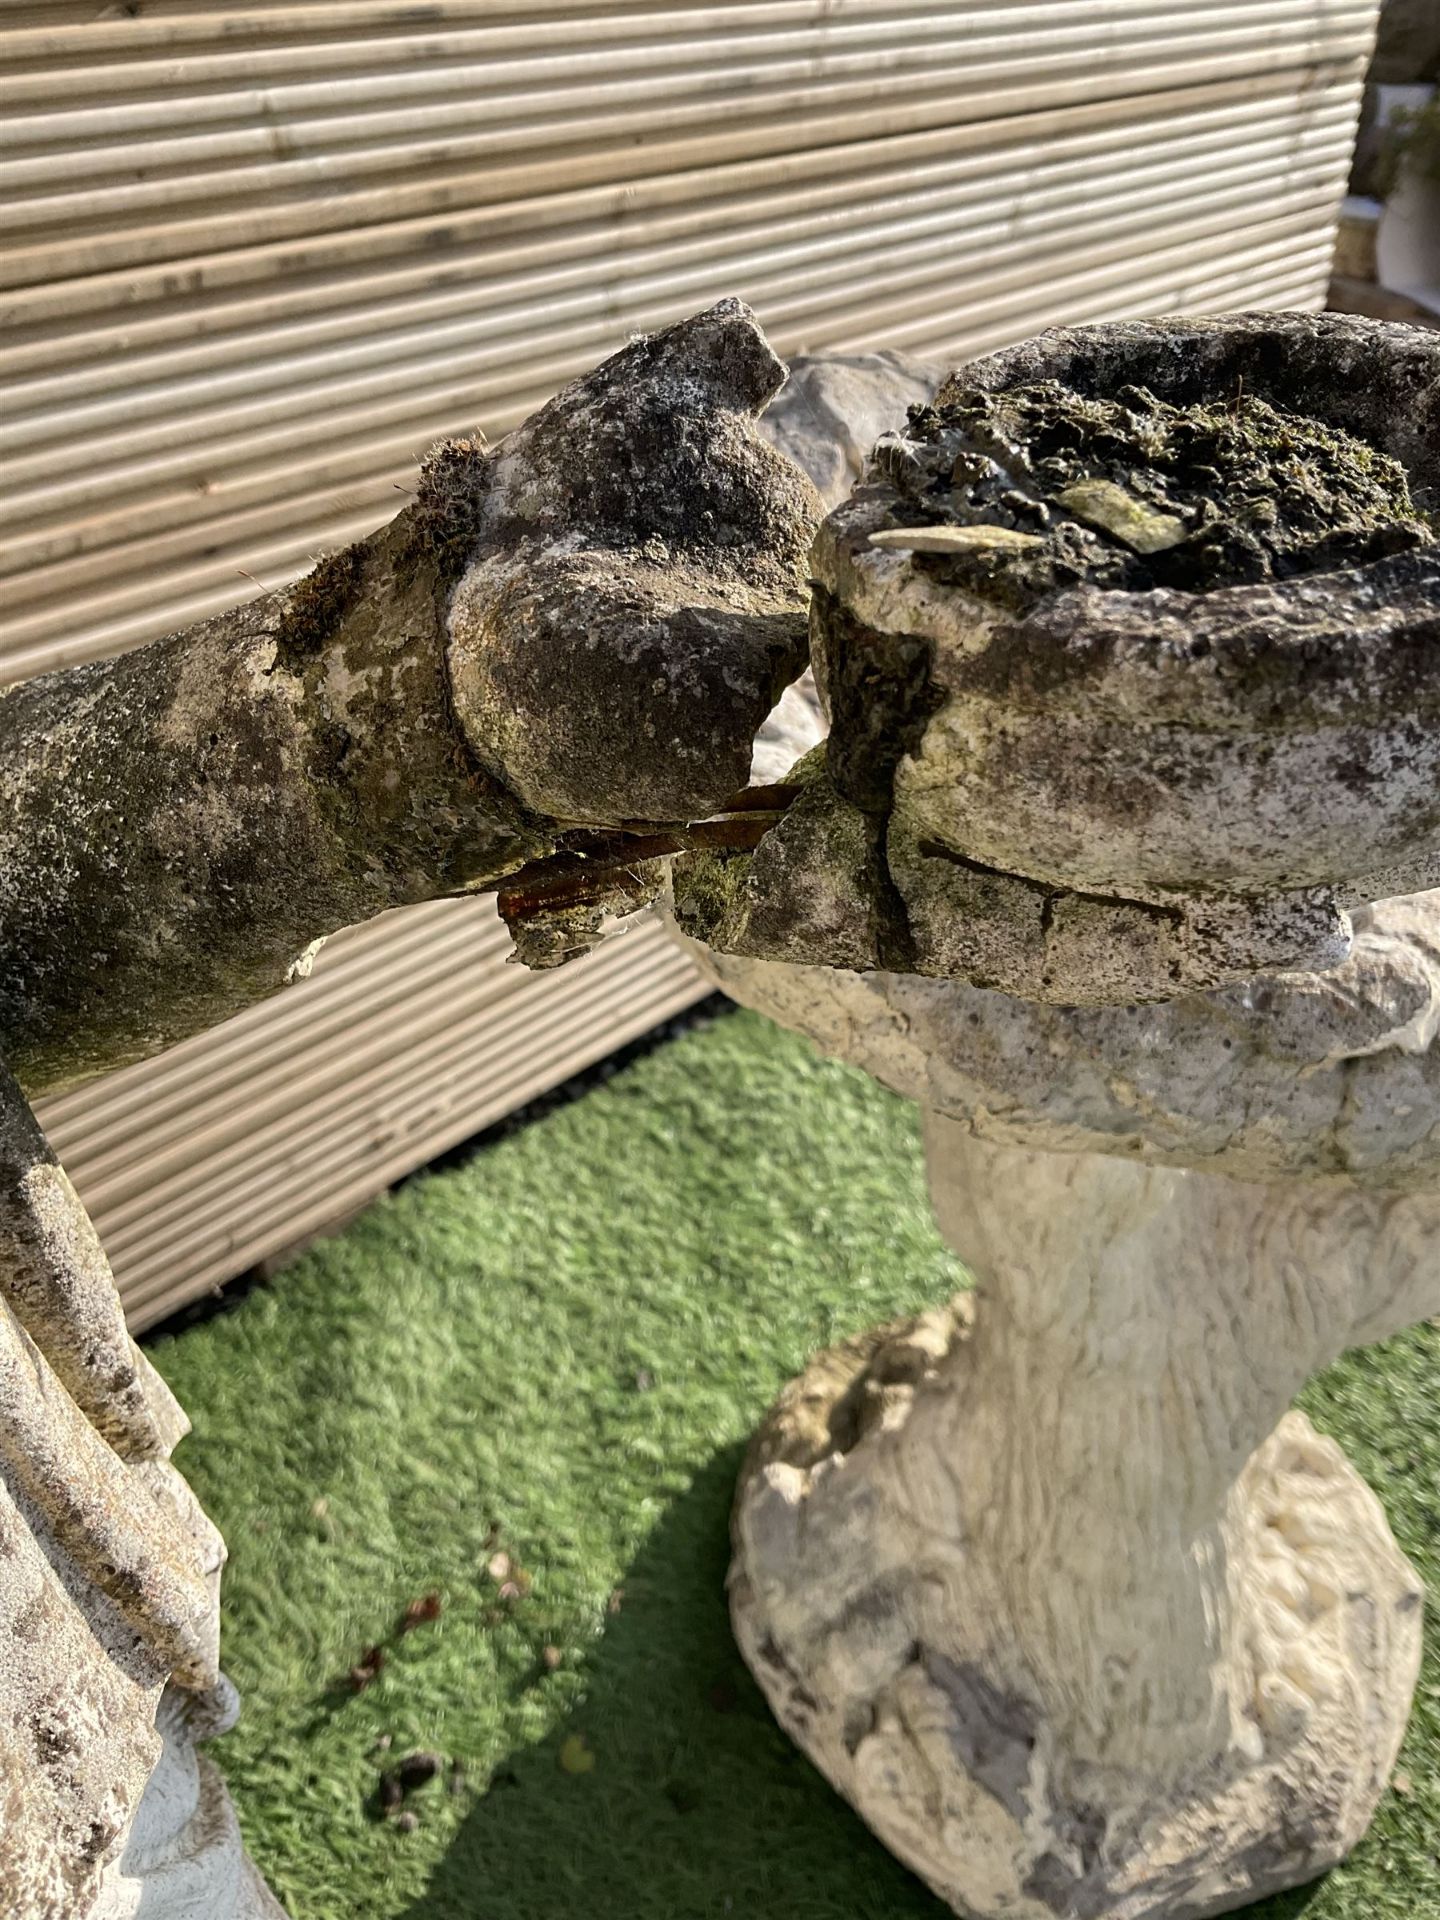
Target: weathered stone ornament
x: 1049, y: 1582
x: 179, y: 829
x: 180, y: 825
x: 1129, y: 641
x: 109, y: 1592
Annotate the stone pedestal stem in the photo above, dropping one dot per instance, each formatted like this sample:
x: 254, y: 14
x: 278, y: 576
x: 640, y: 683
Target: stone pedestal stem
x: 1053, y: 1586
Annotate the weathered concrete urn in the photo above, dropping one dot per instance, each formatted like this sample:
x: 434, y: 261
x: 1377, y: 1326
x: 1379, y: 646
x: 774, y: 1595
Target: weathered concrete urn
x: 1129, y: 641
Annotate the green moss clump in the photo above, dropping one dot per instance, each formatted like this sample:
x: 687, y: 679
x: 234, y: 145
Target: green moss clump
x: 317, y: 604
x: 709, y: 892
x: 448, y: 504
x: 1221, y: 493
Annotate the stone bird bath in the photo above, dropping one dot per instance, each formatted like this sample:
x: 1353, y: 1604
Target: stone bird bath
x: 1049, y: 1582
x: 1129, y: 641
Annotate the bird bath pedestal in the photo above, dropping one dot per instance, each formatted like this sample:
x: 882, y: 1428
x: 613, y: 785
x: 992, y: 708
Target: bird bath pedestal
x: 1049, y: 1582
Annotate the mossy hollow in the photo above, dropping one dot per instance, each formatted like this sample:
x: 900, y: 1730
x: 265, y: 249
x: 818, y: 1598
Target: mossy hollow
x: 1132, y: 493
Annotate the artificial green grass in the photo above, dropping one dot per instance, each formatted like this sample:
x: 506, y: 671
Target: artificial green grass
x: 554, y: 1352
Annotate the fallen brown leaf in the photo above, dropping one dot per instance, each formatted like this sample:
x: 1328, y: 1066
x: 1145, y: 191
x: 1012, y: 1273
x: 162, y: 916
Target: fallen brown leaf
x: 367, y: 1668
x: 421, y: 1612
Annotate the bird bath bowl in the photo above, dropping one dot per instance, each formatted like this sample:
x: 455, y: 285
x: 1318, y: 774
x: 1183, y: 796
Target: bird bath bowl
x: 1137, y: 627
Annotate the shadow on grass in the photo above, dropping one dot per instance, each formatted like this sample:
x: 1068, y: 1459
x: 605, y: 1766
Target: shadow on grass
x: 1283, y: 1906
x: 695, y: 1804
x: 670, y: 1794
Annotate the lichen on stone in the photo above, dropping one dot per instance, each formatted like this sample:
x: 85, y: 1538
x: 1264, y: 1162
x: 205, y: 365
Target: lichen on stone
x: 1131, y: 493
x: 636, y: 600
x: 815, y: 882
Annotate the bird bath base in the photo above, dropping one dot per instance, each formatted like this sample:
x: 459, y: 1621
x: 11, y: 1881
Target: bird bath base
x: 1016, y: 1583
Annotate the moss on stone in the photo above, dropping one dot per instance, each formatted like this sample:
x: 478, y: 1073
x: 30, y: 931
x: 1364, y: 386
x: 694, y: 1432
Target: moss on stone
x: 1227, y: 492
x: 710, y: 893
x: 709, y: 884
x: 315, y: 605
x: 449, y: 503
